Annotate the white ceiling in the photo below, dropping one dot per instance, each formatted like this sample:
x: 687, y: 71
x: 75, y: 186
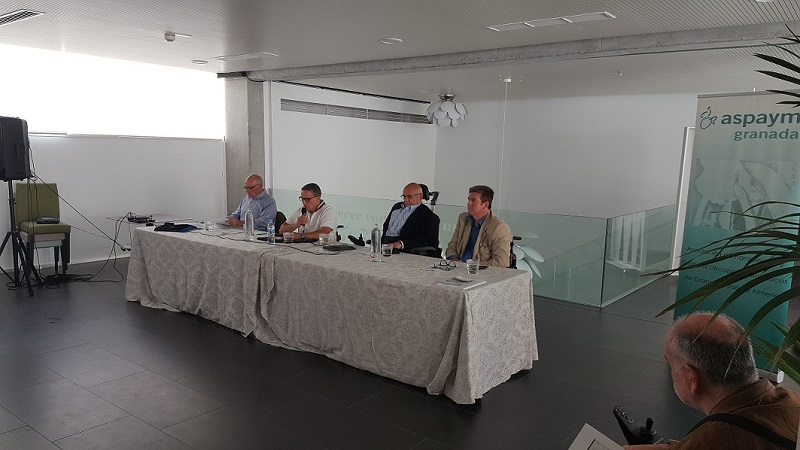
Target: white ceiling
x: 663, y: 46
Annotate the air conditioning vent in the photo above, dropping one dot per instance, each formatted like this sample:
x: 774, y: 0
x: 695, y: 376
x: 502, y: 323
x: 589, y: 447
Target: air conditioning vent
x: 18, y: 15
x: 349, y: 111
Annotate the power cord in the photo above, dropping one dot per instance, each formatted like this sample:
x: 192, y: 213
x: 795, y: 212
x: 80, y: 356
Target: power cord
x: 58, y: 280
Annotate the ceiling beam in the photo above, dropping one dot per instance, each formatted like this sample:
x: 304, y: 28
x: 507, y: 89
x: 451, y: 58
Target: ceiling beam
x: 678, y: 41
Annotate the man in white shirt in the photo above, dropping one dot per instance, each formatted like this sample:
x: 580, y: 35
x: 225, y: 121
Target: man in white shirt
x: 314, y: 218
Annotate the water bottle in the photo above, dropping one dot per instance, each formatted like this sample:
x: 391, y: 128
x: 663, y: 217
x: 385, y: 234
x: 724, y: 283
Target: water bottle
x: 249, y: 226
x: 375, y: 244
x: 271, y: 232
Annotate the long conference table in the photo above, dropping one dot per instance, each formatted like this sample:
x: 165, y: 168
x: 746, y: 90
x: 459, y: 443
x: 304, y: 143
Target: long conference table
x: 391, y: 318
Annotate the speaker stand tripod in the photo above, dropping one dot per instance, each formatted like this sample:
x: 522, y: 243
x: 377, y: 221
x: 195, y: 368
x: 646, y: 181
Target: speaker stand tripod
x: 17, y: 249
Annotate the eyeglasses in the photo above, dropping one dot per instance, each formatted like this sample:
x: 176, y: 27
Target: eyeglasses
x: 247, y: 188
x: 307, y: 199
x: 445, y: 264
x: 410, y: 196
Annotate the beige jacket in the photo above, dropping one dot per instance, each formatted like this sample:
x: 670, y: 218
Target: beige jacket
x: 493, y: 246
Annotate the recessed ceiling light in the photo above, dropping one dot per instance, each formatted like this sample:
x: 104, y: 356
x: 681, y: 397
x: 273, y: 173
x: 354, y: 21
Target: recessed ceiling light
x: 16, y: 16
x: 547, y: 22
x: 391, y: 41
x: 589, y: 17
x: 566, y: 20
x: 509, y: 26
x: 243, y: 56
x: 199, y: 61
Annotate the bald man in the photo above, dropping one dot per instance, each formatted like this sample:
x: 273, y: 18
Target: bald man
x: 410, y: 224
x: 713, y: 371
x: 258, y: 201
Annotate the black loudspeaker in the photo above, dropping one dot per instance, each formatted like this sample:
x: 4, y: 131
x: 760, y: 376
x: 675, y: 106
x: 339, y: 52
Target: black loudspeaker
x: 14, y: 149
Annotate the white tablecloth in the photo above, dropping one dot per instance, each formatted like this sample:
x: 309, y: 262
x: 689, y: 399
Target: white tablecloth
x: 390, y: 318
x: 199, y: 272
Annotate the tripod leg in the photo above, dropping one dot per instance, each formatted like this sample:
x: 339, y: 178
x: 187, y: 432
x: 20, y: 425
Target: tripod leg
x: 2, y: 248
x: 20, y: 252
x: 31, y: 270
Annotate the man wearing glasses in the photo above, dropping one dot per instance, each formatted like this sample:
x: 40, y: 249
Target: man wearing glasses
x: 480, y: 234
x: 410, y: 224
x: 258, y: 201
x: 313, y: 218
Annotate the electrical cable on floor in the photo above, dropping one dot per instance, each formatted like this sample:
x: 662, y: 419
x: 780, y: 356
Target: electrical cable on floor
x: 56, y: 280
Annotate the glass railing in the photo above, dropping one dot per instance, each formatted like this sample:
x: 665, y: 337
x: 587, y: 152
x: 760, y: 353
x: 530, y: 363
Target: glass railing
x: 637, y: 245
x: 587, y: 260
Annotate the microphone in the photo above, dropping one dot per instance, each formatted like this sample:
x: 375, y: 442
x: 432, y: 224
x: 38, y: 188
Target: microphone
x: 303, y: 213
x: 358, y: 241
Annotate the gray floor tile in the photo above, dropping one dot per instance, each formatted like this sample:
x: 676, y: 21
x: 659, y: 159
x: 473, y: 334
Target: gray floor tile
x: 87, y: 365
x: 231, y: 428
x: 25, y: 438
x: 59, y: 408
x: 128, y: 433
x: 432, y: 419
x: 22, y: 371
x: 35, y: 339
x: 9, y: 421
x: 155, y: 399
x: 166, y: 358
x: 105, y: 332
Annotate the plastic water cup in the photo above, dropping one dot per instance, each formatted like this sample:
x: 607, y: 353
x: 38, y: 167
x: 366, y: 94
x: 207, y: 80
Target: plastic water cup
x: 472, y: 266
x: 386, y: 250
x: 288, y: 237
x: 323, y: 239
x: 209, y: 225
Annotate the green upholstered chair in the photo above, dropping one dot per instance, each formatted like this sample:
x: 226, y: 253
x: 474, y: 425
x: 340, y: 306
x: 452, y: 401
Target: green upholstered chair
x: 34, y: 201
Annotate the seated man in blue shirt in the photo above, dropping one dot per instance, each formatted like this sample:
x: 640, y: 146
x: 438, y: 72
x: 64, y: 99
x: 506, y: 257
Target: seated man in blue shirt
x: 258, y: 201
x: 479, y: 234
x: 410, y: 224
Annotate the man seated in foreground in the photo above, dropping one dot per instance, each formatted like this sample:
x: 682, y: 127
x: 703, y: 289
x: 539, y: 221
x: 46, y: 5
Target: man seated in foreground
x: 313, y: 218
x: 713, y: 373
x: 411, y: 224
x: 258, y: 201
x: 479, y: 234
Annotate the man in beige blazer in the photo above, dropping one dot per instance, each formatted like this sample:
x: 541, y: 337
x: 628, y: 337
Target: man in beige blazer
x: 479, y: 234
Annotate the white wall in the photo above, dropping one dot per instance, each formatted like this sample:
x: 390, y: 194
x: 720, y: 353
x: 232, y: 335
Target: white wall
x: 346, y: 156
x: 110, y: 176
x: 591, y: 156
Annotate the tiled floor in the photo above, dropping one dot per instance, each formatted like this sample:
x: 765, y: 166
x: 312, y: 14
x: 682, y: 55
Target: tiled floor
x: 82, y: 368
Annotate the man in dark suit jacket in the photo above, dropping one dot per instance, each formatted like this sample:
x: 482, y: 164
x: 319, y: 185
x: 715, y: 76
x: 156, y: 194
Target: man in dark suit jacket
x: 411, y: 224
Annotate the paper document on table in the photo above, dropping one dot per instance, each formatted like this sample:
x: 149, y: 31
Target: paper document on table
x: 591, y: 439
x: 221, y: 221
x: 461, y: 282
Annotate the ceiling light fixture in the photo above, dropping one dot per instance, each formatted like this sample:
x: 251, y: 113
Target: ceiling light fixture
x: 566, y: 20
x: 199, y: 61
x: 243, y: 56
x: 170, y: 36
x: 446, y: 113
x: 391, y: 41
x: 16, y: 16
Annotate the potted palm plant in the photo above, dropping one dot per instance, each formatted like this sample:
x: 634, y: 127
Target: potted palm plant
x: 770, y: 249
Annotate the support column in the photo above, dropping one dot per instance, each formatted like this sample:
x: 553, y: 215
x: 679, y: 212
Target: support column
x: 245, y: 143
